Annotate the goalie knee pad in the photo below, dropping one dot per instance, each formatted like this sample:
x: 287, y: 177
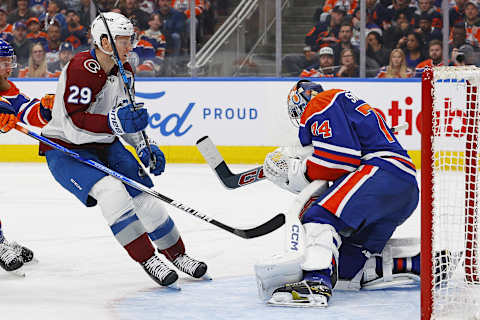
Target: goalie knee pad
x: 321, y: 245
x: 154, y: 217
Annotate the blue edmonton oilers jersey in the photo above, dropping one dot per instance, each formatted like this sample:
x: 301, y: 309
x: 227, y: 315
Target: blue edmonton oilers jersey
x: 347, y: 132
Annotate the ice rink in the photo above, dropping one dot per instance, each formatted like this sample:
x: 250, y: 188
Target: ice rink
x: 83, y: 273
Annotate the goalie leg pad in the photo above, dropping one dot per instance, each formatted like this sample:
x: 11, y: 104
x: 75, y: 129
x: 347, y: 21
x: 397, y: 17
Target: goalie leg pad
x: 276, y: 271
x: 395, y: 248
x: 321, y: 245
x: 154, y: 217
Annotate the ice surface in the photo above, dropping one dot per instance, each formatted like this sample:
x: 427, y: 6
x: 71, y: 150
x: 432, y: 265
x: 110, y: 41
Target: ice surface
x: 84, y: 274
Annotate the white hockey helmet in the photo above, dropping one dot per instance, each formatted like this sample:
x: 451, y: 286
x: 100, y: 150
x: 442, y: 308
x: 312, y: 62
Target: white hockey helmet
x: 298, y: 98
x: 118, y: 24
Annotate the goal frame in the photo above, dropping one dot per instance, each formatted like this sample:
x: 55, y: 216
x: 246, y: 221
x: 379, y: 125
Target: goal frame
x: 471, y: 194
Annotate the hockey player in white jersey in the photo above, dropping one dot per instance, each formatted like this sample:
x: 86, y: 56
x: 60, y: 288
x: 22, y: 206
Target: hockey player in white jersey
x: 90, y: 113
x: 357, y: 185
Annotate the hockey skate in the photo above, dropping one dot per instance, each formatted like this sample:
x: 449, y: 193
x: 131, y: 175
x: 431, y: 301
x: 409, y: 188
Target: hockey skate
x: 160, y: 272
x: 192, y: 267
x: 10, y: 261
x: 25, y: 253
x: 302, y: 294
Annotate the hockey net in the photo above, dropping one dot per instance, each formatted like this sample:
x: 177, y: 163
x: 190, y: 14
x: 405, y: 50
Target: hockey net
x: 450, y: 193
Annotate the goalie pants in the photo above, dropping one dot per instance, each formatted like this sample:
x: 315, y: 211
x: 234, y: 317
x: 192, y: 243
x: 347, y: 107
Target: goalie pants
x: 365, y: 207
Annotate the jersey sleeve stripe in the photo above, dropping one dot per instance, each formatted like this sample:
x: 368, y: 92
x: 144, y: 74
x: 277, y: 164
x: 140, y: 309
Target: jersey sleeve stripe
x: 337, y: 199
x: 335, y: 148
x: 331, y: 157
x: 321, y: 170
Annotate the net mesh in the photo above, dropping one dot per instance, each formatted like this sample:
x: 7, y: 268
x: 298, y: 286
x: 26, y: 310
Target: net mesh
x: 455, y: 243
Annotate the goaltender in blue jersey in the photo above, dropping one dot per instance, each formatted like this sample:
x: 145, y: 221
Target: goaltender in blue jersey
x: 358, y: 185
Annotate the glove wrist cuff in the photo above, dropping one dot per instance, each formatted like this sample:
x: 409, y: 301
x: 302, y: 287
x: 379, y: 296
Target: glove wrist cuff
x: 143, y: 145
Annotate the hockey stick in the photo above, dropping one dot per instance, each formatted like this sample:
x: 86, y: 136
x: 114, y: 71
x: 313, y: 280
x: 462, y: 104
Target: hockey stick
x: 217, y: 163
x: 263, y: 229
x: 232, y: 180
x: 119, y: 63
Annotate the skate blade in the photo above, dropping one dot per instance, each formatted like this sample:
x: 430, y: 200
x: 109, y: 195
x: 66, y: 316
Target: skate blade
x: 18, y: 273
x: 206, y: 277
x: 306, y: 302
x: 174, y: 286
x: 33, y: 261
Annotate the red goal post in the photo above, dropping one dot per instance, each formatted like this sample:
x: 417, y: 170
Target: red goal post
x: 450, y: 278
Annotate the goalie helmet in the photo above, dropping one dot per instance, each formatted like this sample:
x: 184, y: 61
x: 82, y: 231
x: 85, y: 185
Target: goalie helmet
x: 298, y: 98
x: 118, y: 24
x: 6, y: 51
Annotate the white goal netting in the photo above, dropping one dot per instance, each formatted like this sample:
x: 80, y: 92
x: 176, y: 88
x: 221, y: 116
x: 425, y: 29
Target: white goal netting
x: 455, y: 189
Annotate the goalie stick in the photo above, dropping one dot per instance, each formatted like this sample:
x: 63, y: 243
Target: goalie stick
x: 263, y: 229
x: 232, y: 180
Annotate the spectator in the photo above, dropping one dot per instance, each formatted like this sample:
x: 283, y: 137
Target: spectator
x: 21, y: 13
x: 87, y: 13
x: 76, y: 33
x: 457, y: 13
x: 294, y: 63
x: 155, y: 36
x: 426, y: 7
x: 348, y: 5
x: 34, y: 32
x: 397, y: 31
x: 426, y: 31
x: 37, y: 64
x: 65, y: 54
x: 413, y: 49
x: 21, y: 45
x: 472, y: 24
x: 147, y: 5
x: 131, y: 11
x: 375, y: 49
x: 345, y: 42
x: 5, y: 28
x: 184, y: 7
x: 54, y: 39
x: 38, y: 7
x: 173, y: 26
x: 326, y: 67
x: 400, y: 6
x: 459, y: 46
x: 53, y: 15
x: 348, y: 65
x: 325, y: 32
x: 397, y: 68
x: 435, y: 57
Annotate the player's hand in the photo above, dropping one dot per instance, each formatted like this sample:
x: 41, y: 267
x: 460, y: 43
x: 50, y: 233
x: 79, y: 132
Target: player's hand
x: 7, y: 122
x: 275, y: 168
x: 126, y: 119
x: 47, y: 101
x: 144, y: 154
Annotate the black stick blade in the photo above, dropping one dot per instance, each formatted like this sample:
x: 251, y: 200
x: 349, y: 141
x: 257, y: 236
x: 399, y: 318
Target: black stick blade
x: 269, y: 226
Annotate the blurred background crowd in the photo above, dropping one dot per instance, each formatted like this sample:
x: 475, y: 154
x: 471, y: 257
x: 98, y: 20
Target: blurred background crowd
x: 402, y: 36
x: 47, y: 33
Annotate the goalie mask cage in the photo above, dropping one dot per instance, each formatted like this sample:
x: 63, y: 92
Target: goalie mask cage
x: 450, y: 271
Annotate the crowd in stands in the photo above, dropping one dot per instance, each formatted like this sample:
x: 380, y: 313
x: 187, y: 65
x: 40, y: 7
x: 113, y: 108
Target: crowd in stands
x: 403, y: 37
x: 46, y: 34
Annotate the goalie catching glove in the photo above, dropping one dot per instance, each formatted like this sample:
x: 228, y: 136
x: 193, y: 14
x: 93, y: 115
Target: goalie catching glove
x: 144, y: 155
x: 287, y: 172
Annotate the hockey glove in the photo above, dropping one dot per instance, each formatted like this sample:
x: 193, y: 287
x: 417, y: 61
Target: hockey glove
x: 125, y: 119
x: 7, y: 122
x: 144, y: 155
x: 46, y: 105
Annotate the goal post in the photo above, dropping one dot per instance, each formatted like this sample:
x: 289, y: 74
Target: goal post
x: 450, y: 279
